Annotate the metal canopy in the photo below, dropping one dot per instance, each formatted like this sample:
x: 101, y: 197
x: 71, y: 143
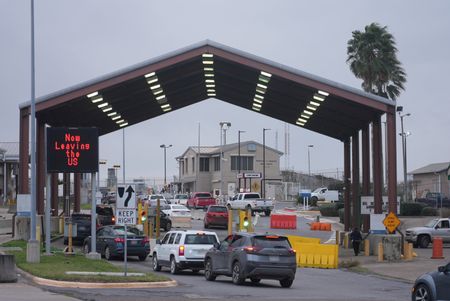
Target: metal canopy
x: 182, y: 79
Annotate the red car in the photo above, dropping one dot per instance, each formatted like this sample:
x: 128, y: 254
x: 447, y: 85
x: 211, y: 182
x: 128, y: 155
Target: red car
x: 200, y: 200
x: 216, y: 216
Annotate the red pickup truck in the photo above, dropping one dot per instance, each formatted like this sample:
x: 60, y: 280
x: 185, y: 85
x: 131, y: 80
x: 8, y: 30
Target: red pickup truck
x: 200, y: 200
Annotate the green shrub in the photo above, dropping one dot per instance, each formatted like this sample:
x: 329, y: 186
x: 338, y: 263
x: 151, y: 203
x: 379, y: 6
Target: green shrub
x: 445, y: 212
x: 328, y: 210
x: 429, y: 211
x: 411, y: 209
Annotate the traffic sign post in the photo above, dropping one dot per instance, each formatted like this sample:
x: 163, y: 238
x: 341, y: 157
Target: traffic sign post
x: 126, y: 212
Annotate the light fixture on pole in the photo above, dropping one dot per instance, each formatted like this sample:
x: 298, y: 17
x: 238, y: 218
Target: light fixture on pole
x: 403, y: 135
x: 165, y: 147
x: 263, y: 182
x: 309, y: 165
x: 100, y: 162
x: 224, y: 126
x: 239, y: 158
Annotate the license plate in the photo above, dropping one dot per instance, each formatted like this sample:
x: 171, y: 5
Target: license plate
x: 133, y: 242
x: 274, y: 258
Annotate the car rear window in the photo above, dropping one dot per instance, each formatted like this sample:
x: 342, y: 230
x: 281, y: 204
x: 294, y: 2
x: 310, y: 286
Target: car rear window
x: 218, y: 209
x: 104, y: 211
x: 251, y: 196
x: 271, y: 242
x: 181, y: 196
x: 200, y: 239
x: 203, y: 195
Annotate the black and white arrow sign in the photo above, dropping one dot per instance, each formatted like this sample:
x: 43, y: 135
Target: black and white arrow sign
x: 126, y: 196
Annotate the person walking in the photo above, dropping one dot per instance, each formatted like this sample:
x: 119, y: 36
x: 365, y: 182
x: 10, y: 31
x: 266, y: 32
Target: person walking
x: 356, y: 239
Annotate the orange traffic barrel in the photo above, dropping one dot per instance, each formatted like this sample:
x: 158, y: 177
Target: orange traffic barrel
x: 437, y: 248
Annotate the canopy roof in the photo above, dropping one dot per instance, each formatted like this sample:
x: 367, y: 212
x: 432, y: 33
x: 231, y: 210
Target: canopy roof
x: 204, y: 70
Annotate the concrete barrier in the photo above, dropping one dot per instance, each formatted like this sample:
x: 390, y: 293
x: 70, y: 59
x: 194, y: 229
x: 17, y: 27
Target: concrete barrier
x: 7, y: 268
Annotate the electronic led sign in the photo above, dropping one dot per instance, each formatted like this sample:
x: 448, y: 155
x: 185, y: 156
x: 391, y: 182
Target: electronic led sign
x: 72, y: 150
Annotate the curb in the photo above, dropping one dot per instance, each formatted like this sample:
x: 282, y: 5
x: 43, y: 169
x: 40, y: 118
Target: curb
x: 70, y: 284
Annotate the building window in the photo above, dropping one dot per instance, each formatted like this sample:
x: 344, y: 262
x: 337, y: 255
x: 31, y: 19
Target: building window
x: 186, y: 165
x: 204, y: 164
x: 216, y: 163
x: 182, y: 167
x: 246, y: 163
x: 193, y: 165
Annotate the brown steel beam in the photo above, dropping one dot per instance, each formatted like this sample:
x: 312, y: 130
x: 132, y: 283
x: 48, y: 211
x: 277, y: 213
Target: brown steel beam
x: 24, y: 186
x: 347, y: 211
x: 392, y: 160
x: 40, y: 166
x: 377, y: 165
x: 66, y: 194
x: 77, y: 192
x: 54, y: 192
x: 355, y: 181
x: 365, y: 142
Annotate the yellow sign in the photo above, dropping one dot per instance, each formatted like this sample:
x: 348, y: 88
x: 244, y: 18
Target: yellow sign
x: 391, y: 222
x: 255, y: 187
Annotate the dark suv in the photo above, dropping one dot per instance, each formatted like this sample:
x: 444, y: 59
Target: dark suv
x: 255, y: 256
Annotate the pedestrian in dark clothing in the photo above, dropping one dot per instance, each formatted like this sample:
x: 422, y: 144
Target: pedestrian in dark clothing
x: 356, y: 239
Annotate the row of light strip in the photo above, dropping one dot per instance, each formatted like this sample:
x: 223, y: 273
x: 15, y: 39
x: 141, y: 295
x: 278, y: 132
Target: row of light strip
x: 208, y: 67
x: 106, y: 108
x: 158, y: 92
x: 311, y: 107
x: 261, y: 88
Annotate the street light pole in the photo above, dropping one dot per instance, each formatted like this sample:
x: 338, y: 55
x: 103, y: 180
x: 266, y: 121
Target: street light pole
x: 263, y: 184
x: 403, y: 135
x: 239, y: 157
x: 224, y: 125
x: 165, y: 147
x: 309, y: 166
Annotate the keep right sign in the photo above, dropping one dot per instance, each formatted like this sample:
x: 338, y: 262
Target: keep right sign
x: 391, y: 222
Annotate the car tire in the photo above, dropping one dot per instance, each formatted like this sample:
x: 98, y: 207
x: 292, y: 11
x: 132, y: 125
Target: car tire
x: 287, y: 282
x: 422, y: 293
x: 195, y: 205
x: 424, y: 241
x: 108, y: 254
x: 155, y: 264
x: 168, y: 226
x: 236, y: 274
x: 255, y: 280
x: 205, y: 225
x: 86, y: 248
x: 209, y: 274
x: 267, y: 212
x: 143, y: 257
x: 173, y: 266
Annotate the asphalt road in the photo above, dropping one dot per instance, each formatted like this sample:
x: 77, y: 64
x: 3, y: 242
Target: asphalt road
x: 310, y: 284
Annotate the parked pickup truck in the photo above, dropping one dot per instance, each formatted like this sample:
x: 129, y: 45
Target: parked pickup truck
x: 422, y: 236
x: 201, y: 200
x: 325, y: 195
x: 251, y: 200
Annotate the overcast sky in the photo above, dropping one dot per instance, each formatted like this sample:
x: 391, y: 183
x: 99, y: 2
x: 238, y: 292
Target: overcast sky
x: 80, y: 40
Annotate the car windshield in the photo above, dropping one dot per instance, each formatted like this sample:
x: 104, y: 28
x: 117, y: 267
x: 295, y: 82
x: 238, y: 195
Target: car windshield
x: 178, y: 207
x: 317, y: 190
x: 203, y: 195
x: 81, y: 217
x: 431, y: 223
x: 104, y: 211
x: 200, y: 239
x: 269, y: 241
x: 218, y: 209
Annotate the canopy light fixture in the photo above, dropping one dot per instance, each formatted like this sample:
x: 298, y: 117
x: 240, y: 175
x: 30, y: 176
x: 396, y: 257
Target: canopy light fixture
x: 116, y: 117
x: 260, y: 91
x: 93, y: 94
x: 96, y: 99
x: 157, y: 90
x: 107, y: 109
x: 208, y: 62
x: 312, y: 107
x: 123, y: 124
x: 120, y: 121
x: 112, y: 114
x: 103, y: 104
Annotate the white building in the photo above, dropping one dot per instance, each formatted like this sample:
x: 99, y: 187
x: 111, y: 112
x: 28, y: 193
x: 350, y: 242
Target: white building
x: 213, y: 178
x: 9, y: 164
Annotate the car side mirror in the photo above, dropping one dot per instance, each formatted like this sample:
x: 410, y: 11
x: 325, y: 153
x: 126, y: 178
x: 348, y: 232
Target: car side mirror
x: 216, y: 245
x: 158, y: 241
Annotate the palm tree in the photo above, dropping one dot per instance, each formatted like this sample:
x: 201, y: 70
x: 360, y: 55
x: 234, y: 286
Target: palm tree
x: 372, y: 57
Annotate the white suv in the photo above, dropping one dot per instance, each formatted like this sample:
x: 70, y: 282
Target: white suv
x: 182, y: 250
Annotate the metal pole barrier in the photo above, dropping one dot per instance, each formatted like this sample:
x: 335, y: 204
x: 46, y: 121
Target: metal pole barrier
x: 125, y: 251
x: 93, y: 215
x: 230, y: 221
x: 158, y: 219
x: 47, y: 216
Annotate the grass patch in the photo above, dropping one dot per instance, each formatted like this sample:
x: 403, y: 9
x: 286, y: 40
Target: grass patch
x: 54, y: 267
x: 87, y: 206
x: 348, y: 264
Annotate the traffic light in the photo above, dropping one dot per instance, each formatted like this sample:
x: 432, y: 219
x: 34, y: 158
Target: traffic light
x: 139, y: 213
x: 143, y: 217
x: 245, y: 223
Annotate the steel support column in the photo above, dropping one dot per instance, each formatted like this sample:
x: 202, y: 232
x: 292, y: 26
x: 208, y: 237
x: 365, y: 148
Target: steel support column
x: 377, y: 168
x: 392, y: 159
x: 77, y: 192
x: 66, y: 194
x: 40, y: 165
x: 365, y: 143
x: 355, y: 181
x: 24, y: 152
x: 54, y: 197
x: 347, y: 211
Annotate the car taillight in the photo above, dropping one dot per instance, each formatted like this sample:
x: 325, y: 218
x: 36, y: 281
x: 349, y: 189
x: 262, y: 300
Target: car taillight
x: 181, y: 251
x: 252, y: 249
x: 292, y: 251
x: 113, y: 219
x: 145, y: 240
x: 119, y: 240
